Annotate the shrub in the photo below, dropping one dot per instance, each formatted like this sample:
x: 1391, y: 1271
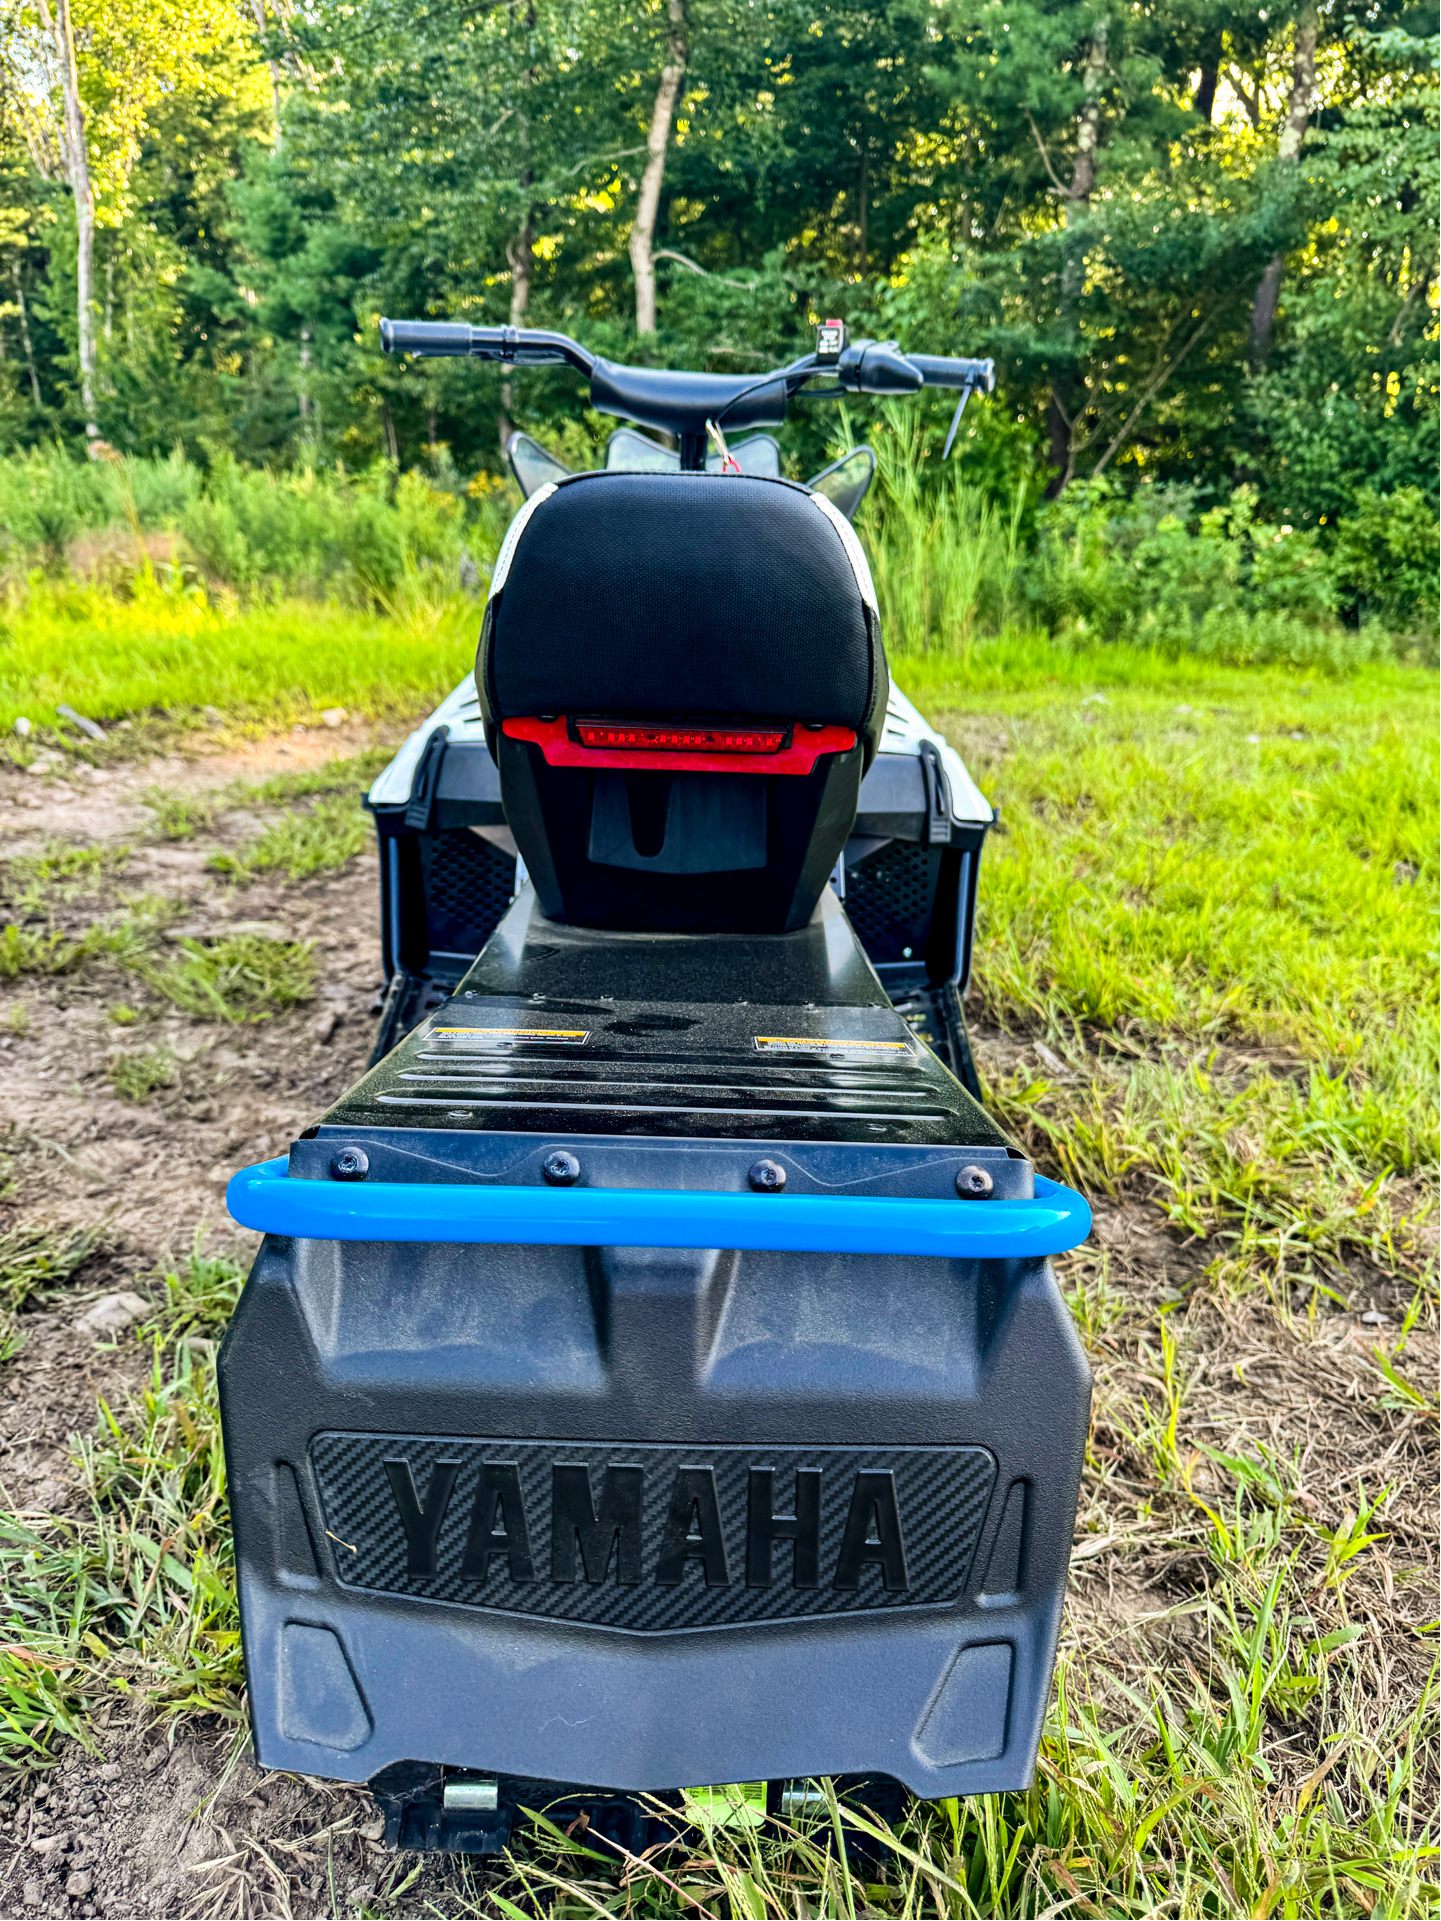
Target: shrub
x: 1385, y: 561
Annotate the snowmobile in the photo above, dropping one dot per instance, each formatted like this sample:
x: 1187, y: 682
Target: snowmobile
x: 652, y: 1381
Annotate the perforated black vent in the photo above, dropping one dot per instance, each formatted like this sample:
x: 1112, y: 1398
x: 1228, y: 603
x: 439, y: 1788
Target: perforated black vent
x: 468, y: 886
x: 889, y: 898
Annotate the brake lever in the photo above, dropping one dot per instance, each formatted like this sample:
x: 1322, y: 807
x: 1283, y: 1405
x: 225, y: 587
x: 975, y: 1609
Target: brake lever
x: 966, y: 393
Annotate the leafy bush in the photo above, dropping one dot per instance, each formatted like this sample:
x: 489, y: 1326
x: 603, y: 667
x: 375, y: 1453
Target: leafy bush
x: 48, y: 499
x: 1148, y: 570
x: 1385, y: 561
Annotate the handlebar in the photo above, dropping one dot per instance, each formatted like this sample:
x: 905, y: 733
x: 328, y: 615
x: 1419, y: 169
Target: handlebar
x: 977, y: 375
x: 683, y: 403
x: 517, y: 346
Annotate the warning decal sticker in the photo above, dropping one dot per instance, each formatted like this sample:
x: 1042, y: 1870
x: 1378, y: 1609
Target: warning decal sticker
x: 800, y: 1044
x: 511, y: 1036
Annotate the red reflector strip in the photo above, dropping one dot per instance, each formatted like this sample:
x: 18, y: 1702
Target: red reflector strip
x: 681, y: 750
x: 681, y: 740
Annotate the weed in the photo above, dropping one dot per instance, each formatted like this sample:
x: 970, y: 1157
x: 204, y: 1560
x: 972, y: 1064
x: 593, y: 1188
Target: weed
x: 180, y: 816
x: 33, y: 950
x: 245, y: 977
x: 319, y: 840
x: 32, y: 1258
x: 16, y: 1019
x: 68, y: 871
x: 139, y: 1594
x: 124, y: 937
x: 123, y: 1015
x: 199, y: 1295
x: 135, y: 1077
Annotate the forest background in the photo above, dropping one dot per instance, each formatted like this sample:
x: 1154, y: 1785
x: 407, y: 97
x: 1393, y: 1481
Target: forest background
x: 1199, y: 239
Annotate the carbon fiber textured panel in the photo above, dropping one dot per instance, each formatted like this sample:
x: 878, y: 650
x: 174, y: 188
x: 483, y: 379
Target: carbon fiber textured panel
x: 652, y: 1539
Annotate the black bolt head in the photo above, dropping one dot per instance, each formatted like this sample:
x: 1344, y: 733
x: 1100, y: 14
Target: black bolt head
x: 350, y: 1164
x: 561, y: 1169
x: 768, y: 1177
x: 974, y: 1184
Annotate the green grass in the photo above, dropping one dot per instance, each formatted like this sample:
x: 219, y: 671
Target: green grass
x: 305, y: 844
x: 1212, y: 893
x: 44, y: 948
x: 244, y: 977
x: 178, y: 815
x: 136, y: 1597
x: 64, y: 870
x: 278, y: 663
x: 33, y: 1258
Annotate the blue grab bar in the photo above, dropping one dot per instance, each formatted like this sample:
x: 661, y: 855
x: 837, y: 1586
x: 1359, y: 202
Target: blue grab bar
x: 264, y: 1197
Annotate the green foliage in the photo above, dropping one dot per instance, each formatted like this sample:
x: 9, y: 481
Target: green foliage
x: 366, y: 537
x: 1091, y: 198
x: 198, y: 1296
x: 62, y: 872
x: 284, y: 662
x: 1206, y: 876
x: 1385, y: 562
x: 1146, y: 569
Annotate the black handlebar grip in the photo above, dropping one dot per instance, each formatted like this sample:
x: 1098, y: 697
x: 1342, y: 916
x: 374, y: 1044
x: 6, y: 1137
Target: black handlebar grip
x: 428, y: 337
x: 879, y: 367
x: 939, y: 372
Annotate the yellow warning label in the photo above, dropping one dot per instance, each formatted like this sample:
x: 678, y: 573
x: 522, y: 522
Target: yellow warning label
x: 800, y: 1044
x: 509, y: 1036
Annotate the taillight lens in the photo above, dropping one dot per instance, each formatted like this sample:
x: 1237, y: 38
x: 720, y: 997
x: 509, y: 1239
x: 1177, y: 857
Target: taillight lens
x: 643, y: 736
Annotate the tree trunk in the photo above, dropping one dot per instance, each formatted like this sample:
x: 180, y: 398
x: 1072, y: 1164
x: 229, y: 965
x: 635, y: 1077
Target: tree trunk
x: 25, y: 333
x: 1205, y: 101
x: 77, y: 159
x: 1067, y: 397
x: 865, y: 213
x: 1288, y: 149
x: 1088, y: 132
x: 642, y: 233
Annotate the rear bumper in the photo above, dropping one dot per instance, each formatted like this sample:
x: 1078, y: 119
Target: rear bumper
x: 960, y: 1379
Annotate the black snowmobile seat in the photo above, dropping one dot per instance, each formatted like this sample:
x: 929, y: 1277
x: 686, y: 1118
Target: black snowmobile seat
x: 683, y: 681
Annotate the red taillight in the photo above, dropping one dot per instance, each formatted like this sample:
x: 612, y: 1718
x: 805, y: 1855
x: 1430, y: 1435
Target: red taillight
x: 643, y: 737
x: 668, y: 747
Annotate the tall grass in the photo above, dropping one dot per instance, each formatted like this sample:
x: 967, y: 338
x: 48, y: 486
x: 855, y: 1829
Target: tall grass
x: 948, y: 557
x: 370, y: 538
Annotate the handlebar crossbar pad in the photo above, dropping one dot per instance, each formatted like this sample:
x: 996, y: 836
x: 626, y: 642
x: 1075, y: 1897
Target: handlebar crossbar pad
x: 681, y: 403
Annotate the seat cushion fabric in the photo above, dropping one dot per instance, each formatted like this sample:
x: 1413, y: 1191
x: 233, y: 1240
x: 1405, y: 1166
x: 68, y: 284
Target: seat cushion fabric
x: 682, y: 594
